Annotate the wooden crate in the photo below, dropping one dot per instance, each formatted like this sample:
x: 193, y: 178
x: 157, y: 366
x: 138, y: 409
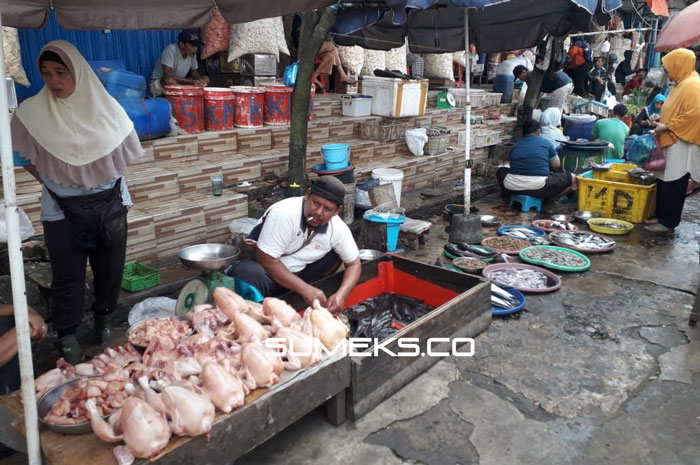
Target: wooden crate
x: 376, y: 378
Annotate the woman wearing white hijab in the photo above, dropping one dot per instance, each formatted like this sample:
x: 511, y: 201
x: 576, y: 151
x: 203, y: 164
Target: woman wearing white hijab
x: 550, y: 122
x: 79, y: 141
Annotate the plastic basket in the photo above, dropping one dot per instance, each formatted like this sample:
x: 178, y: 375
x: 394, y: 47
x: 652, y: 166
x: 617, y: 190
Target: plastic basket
x: 384, y: 131
x: 492, y: 99
x: 620, y: 200
x: 138, y: 277
x: 437, y: 139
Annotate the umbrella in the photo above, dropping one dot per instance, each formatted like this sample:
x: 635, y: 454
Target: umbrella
x: 681, y: 31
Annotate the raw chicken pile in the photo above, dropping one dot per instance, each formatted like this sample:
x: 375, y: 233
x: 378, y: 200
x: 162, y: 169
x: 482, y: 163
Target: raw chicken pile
x: 179, y: 383
x: 146, y: 331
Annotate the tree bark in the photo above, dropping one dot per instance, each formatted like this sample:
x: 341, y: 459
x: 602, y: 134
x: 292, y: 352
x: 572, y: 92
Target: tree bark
x: 315, y: 26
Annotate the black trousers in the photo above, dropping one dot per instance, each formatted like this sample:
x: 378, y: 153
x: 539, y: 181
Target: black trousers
x: 9, y: 373
x: 579, y: 76
x: 670, y: 198
x: 68, y: 264
x: 255, y: 274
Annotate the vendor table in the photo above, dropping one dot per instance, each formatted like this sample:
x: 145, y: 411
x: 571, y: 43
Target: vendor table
x: 266, y: 413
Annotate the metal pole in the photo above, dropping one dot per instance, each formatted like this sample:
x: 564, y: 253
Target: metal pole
x: 19, y: 295
x: 620, y: 31
x: 467, y: 136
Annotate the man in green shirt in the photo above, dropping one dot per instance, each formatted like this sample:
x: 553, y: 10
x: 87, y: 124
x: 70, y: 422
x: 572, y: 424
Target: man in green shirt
x: 613, y: 130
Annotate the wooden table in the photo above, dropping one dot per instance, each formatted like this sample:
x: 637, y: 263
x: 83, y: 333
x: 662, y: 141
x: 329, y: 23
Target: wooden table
x: 266, y: 413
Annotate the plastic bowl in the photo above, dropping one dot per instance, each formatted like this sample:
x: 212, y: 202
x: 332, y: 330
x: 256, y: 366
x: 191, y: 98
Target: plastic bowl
x: 498, y: 311
x: 367, y: 255
x: 553, y: 281
x: 597, y: 225
x: 488, y: 242
x: 582, y: 215
x: 523, y: 256
x: 491, y: 220
x: 545, y: 225
x: 503, y: 230
x: 466, y: 264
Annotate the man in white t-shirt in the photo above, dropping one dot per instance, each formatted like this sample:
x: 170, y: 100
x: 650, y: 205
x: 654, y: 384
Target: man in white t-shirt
x: 176, y: 62
x: 300, y: 240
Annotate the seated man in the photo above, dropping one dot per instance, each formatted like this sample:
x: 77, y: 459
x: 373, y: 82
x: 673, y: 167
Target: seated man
x: 300, y: 240
x: 531, y: 159
x: 636, y: 82
x: 614, y: 131
x: 176, y: 61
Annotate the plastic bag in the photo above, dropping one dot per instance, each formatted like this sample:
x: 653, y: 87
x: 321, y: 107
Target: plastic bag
x: 641, y: 148
x: 13, y: 58
x: 362, y: 199
x: 386, y: 213
x: 242, y: 225
x: 352, y: 59
x: 416, y: 140
x: 26, y: 230
x: 265, y: 36
x: 290, y: 74
x: 152, y: 307
x: 609, y: 99
x: 396, y: 59
x: 374, y: 59
x: 438, y: 65
x: 216, y: 35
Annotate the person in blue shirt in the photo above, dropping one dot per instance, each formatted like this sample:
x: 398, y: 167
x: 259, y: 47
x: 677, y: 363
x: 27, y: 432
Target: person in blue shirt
x: 531, y: 160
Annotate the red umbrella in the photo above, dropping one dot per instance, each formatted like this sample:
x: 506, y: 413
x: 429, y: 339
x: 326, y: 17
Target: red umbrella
x: 681, y: 31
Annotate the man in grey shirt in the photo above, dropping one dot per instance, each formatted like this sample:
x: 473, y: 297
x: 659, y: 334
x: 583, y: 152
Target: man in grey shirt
x: 176, y: 61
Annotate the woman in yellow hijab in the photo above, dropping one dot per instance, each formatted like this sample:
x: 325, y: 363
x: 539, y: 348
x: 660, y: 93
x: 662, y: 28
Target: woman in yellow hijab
x: 679, y: 135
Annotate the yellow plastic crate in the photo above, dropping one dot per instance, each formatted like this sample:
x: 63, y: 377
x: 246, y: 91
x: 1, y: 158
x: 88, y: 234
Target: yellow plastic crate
x: 626, y: 201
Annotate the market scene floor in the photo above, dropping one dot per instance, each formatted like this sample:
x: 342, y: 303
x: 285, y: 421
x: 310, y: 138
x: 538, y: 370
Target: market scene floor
x: 604, y: 371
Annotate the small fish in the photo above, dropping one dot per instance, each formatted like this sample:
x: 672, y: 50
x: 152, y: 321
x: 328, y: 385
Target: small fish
x: 496, y: 302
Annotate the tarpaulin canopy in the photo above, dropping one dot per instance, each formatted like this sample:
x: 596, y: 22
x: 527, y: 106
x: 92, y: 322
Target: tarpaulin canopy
x: 145, y: 14
x: 438, y: 27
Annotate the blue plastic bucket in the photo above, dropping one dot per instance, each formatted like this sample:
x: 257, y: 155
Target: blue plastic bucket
x: 336, y: 156
x: 504, y: 83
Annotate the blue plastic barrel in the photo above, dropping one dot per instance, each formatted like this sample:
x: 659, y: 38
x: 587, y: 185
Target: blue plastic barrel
x: 504, y: 83
x: 120, y: 84
x: 579, y: 126
x: 151, y: 116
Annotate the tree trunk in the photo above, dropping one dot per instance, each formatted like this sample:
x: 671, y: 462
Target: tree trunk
x: 315, y: 26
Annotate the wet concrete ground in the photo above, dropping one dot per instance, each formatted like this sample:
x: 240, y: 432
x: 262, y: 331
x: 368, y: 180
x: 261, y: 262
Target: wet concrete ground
x: 604, y: 371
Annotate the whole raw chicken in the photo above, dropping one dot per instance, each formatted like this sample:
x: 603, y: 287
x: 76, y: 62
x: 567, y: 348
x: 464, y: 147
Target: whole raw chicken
x: 247, y: 329
x: 144, y: 430
x: 225, y: 390
x: 329, y: 329
x: 228, y: 302
x: 303, y: 349
x: 281, y: 313
x: 191, y: 414
x: 261, y: 364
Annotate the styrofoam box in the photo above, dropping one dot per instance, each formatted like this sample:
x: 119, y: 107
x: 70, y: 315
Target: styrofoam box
x: 356, y: 105
x: 393, y: 97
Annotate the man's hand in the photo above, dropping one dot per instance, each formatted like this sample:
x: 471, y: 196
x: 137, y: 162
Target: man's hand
x: 311, y: 293
x: 37, y: 326
x: 660, y: 127
x: 336, y: 303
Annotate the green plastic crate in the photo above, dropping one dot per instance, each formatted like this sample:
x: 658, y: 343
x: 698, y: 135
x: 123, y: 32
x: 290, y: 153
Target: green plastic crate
x: 138, y: 277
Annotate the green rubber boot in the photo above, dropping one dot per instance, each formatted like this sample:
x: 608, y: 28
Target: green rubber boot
x: 104, y: 332
x: 70, y: 350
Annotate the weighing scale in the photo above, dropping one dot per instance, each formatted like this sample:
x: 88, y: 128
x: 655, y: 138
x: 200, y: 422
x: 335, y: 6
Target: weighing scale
x: 211, y: 259
x: 445, y: 100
